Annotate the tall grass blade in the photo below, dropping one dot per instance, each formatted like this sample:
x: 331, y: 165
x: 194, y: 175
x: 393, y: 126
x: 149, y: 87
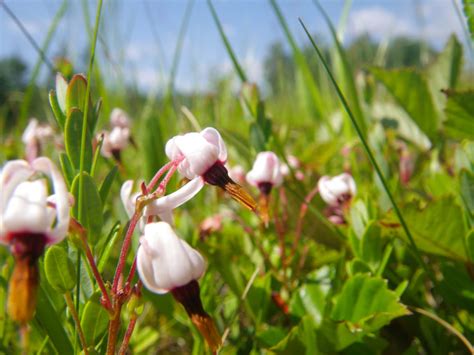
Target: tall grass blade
x: 228, y: 47
x: 318, y: 103
x: 346, y: 74
x: 371, y: 157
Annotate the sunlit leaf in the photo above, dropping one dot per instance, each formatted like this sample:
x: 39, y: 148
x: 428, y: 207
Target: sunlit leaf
x: 73, y: 139
x: 59, y: 269
x: 460, y: 114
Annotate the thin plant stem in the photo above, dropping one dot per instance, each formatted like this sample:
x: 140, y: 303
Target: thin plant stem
x: 72, y: 310
x: 299, y: 225
x: 25, y: 338
x: 114, y: 327
x: 446, y: 325
x: 371, y: 158
x: 128, y: 334
x: 158, y: 175
x: 131, y: 274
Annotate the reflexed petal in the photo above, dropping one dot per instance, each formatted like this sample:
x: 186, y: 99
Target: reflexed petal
x: 213, y: 136
x: 128, y: 200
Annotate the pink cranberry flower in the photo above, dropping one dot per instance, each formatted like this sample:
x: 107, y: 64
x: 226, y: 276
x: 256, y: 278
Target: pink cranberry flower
x: 34, y: 137
x: 337, y: 190
x: 30, y: 219
x: 202, y: 156
x: 166, y: 263
x: 295, y: 164
x: 119, y: 137
x: 266, y: 172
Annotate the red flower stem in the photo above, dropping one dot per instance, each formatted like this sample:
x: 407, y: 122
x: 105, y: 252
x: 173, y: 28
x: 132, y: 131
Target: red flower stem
x: 123, y: 253
x: 299, y: 226
x: 128, y: 334
x: 132, y: 272
x: 95, y: 271
x: 114, y: 327
x: 158, y: 174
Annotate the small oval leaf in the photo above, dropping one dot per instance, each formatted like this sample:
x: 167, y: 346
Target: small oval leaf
x: 59, y: 269
x: 73, y: 139
x: 94, y: 321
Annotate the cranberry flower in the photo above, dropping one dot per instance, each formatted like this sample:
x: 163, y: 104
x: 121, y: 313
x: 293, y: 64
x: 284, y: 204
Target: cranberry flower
x: 166, y: 263
x: 119, y: 137
x: 203, y: 155
x: 337, y: 190
x: 30, y: 220
x: 266, y: 172
x: 34, y: 136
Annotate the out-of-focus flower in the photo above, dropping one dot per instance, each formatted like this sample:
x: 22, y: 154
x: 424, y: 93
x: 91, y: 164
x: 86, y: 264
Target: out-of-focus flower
x: 119, y: 137
x: 167, y: 263
x: 30, y: 219
x: 237, y: 173
x: 295, y: 164
x: 203, y: 155
x: 266, y: 172
x: 337, y: 190
x: 406, y: 163
x: 162, y: 207
x: 210, y: 225
x: 34, y: 137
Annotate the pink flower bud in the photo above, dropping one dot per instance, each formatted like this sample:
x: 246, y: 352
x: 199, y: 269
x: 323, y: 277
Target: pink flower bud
x: 266, y: 171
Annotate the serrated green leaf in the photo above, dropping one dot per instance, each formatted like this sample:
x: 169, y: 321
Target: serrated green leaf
x: 366, y: 304
x: 460, y: 114
x: 73, y: 138
x: 92, y: 218
x: 438, y: 228
x: 410, y: 88
x: 59, y: 269
x: 94, y: 321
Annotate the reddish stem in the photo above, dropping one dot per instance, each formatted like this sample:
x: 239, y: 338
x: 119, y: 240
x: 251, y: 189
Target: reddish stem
x: 128, y: 334
x: 158, y: 174
x: 299, y: 226
x: 132, y: 272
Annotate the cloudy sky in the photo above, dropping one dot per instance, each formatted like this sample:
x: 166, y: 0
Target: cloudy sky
x: 138, y: 37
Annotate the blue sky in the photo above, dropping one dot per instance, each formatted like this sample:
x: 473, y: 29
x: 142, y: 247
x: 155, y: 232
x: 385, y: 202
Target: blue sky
x: 127, y: 29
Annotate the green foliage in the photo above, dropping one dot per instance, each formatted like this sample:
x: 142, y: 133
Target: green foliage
x: 94, y: 320
x: 460, y: 114
x: 59, y: 269
x: 72, y: 138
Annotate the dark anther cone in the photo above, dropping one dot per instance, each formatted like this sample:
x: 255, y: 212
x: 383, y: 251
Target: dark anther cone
x: 189, y: 296
x: 217, y: 175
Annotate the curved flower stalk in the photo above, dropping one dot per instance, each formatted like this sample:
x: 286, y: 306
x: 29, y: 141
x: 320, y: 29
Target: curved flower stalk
x: 203, y: 156
x: 31, y: 219
x: 265, y: 174
x: 162, y: 207
x: 337, y: 193
x: 119, y: 137
x: 166, y: 263
x: 34, y: 137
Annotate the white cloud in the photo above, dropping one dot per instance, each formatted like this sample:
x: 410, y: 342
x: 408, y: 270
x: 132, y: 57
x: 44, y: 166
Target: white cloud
x: 378, y: 22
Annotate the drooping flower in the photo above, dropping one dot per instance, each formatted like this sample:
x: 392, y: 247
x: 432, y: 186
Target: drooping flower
x: 266, y: 172
x: 119, y: 137
x: 30, y: 220
x: 237, y: 173
x: 166, y: 263
x: 203, y: 156
x: 337, y: 190
x: 34, y: 137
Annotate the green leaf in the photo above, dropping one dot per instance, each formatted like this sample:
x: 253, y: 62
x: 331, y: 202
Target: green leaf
x: 58, y: 113
x: 59, y: 269
x: 456, y: 286
x: 466, y: 182
x: 366, y: 304
x: 61, y: 93
x: 107, y: 183
x: 94, y: 320
x: 67, y: 168
x: 409, y: 88
x: 49, y: 320
x: 300, y: 340
x: 92, y: 218
x: 460, y: 114
x: 72, y: 140
x: 75, y: 98
x: 310, y: 299
x: 468, y: 9
x: 444, y: 72
x: 438, y: 228
x: 369, y: 247
x: 470, y: 244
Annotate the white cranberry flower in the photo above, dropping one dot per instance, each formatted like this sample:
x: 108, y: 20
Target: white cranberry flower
x: 338, y: 189
x: 162, y: 207
x: 119, y: 118
x: 119, y: 137
x: 26, y: 207
x: 266, y: 172
x: 30, y: 220
x: 203, y: 155
x: 166, y: 262
x: 34, y: 136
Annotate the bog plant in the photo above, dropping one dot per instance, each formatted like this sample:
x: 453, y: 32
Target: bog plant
x: 145, y: 236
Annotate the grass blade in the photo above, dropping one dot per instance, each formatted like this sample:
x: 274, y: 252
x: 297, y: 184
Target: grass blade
x: 228, y: 47
x: 371, y: 157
